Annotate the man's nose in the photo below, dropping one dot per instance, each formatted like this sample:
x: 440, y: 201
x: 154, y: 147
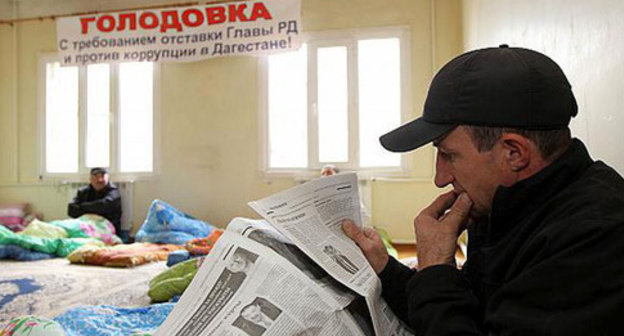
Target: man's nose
x: 443, y: 175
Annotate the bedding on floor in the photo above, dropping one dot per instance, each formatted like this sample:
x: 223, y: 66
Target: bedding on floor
x: 41, y: 240
x: 80, y: 296
x: 54, y: 246
x: 166, y: 224
x: 30, y: 325
x: 173, y: 281
x: 106, y: 320
x: 202, y: 246
x: 13, y: 216
x: 17, y: 252
x: 122, y: 255
x: 89, y: 226
x: 40, y: 229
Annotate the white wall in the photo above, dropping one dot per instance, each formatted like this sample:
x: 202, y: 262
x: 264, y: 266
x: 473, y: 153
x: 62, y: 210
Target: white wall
x: 6, y: 10
x: 584, y: 38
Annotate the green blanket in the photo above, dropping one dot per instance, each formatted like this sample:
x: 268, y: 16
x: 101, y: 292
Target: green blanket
x: 46, y: 245
x: 56, y: 246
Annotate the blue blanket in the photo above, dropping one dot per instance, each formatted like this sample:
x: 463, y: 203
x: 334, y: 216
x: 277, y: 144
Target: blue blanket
x: 166, y: 224
x: 113, y: 321
x: 19, y: 253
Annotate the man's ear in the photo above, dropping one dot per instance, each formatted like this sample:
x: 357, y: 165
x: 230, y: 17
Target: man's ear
x: 517, y: 151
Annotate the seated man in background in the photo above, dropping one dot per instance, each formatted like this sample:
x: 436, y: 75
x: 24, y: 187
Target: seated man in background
x: 100, y: 197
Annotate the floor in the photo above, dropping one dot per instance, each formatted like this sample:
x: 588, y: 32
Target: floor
x: 405, y: 250
x: 409, y: 251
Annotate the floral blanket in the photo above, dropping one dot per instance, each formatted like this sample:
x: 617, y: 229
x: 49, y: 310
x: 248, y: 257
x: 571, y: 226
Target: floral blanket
x: 122, y: 255
x: 113, y: 321
x: 41, y: 240
x: 166, y: 224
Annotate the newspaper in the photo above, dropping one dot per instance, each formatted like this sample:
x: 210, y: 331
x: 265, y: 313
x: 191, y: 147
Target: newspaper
x: 294, y: 274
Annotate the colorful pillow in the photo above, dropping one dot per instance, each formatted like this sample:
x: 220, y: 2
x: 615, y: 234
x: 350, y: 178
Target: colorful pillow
x: 12, y: 216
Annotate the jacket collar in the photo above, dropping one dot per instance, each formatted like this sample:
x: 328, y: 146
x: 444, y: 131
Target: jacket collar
x: 511, y: 204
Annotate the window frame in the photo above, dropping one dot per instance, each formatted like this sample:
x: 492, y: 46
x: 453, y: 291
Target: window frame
x: 348, y: 38
x: 114, y: 130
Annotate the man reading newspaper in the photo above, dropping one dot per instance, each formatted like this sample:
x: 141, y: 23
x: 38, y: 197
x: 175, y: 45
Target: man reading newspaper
x: 545, y: 221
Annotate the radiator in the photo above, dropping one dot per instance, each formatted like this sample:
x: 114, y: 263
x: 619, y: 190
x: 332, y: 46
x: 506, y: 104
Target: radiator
x: 126, y: 189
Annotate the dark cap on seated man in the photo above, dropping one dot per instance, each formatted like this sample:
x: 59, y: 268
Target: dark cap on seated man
x: 494, y: 87
x: 545, y: 221
x: 99, y: 170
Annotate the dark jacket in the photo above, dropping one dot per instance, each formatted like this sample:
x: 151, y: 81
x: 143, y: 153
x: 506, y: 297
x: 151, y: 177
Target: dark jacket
x: 549, y: 262
x: 106, y: 203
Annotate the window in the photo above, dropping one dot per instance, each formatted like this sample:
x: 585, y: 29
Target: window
x: 330, y: 101
x: 99, y: 115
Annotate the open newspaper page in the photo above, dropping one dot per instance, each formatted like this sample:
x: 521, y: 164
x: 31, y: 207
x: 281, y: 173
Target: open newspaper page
x: 262, y: 232
x: 310, y: 215
x: 245, y: 288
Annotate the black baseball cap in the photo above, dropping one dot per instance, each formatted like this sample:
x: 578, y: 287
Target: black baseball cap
x: 496, y: 87
x: 99, y: 170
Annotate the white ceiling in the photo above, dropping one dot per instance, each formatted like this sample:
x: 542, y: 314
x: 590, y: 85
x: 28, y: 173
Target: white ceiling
x: 20, y: 9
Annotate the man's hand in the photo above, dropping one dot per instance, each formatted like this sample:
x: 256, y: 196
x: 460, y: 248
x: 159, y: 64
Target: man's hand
x: 369, y: 242
x: 437, y: 230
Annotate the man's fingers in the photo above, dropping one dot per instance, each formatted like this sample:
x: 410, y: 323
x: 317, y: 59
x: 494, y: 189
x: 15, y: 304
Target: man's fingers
x: 440, y: 205
x: 352, y: 231
x: 369, y: 242
x: 369, y: 233
x: 372, y: 237
x: 365, y: 238
x: 460, y: 209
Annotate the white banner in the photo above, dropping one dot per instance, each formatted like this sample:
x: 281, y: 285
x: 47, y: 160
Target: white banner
x: 181, y: 33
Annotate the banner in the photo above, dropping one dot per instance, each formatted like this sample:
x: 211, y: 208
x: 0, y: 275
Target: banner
x: 181, y: 34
